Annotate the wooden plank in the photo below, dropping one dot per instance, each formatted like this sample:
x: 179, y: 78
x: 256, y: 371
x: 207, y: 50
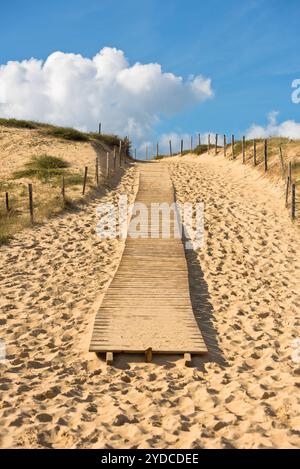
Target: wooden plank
x: 187, y: 359
x: 147, y: 307
x: 109, y: 358
x: 148, y: 355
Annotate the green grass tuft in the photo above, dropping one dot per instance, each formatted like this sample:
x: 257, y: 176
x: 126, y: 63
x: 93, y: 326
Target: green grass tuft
x: 42, y: 167
x: 74, y: 179
x: 66, y: 133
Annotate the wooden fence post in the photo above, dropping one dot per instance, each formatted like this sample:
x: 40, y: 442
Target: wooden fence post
x: 216, y: 145
x: 84, y: 180
x: 208, y: 143
x: 100, y: 128
x: 157, y: 150
x: 115, y: 158
x: 266, y: 154
x: 287, y: 187
x: 244, y: 149
x: 97, y: 171
x: 191, y: 143
x: 120, y: 154
x: 181, y: 147
x: 63, y: 191
x: 232, y: 146
x: 199, y: 139
x: 135, y: 154
x: 254, y: 152
x: 30, y: 202
x: 125, y: 150
x: 281, y: 161
x: 107, y: 165
x: 7, y: 201
x: 225, y: 145
x: 147, y: 152
x: 293, y: 204
x: 170, y: 146
x: 290, y: 172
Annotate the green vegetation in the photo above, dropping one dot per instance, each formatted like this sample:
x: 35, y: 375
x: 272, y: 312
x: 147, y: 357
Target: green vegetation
x: 106, y: 138
x: 74, y: 179
x: 42, y: 167
x: 67, y: 133
x: 238, y: 145
x: 19, y: 124
x: 64, y: 133
x: 200, y: 149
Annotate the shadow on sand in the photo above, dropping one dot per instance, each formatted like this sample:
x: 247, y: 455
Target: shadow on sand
x: 203, y: 311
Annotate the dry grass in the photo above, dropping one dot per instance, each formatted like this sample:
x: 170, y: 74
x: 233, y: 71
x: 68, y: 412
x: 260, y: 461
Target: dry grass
x: 47, y: 201
x: 290, y: 153
x: 27, y: 155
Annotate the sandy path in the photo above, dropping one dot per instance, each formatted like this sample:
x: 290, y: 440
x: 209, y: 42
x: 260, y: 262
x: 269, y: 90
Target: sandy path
x: 244, y: 394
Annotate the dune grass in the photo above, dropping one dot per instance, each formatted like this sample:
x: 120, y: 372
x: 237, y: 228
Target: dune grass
x: 19, y: 124
x: 67, y: 133
x: 42, y: 167
x: 64, y: 133
x: 109, y: 139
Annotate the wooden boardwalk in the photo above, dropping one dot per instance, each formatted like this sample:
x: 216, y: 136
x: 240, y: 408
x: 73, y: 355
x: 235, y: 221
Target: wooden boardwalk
x: 147, y: 305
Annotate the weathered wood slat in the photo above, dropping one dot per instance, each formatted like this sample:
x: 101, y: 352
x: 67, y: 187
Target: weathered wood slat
x: 147, y: 307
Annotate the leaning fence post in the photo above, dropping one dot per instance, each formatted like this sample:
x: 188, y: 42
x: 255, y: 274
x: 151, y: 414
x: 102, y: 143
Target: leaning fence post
x: 293, y: 203
x: 232, y: 146
x: 281, y: 161
x: 216, y: 145
x: 84, y: 180
x: 287, y: 186
x: 244, y: 149
x: 30, y: 202
x: 170, y: 146
x: 266, y: 154
x: 290, y: 172
x: 6, y: 201
x: 254, y: 152
x: 225, y: 145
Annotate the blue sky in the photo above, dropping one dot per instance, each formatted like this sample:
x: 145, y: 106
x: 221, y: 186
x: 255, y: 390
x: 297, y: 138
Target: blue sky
x: 249, y: 49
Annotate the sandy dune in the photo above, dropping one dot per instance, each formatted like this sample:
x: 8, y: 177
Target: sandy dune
x: 243, y: 394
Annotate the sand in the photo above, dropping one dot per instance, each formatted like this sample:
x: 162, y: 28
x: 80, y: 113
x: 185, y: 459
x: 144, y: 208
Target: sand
x: 244, y: 393
x: 19, y: 145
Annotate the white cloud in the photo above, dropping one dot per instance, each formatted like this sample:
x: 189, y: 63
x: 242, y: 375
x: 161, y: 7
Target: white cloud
x: 289, y: 128
x: 68, y: 89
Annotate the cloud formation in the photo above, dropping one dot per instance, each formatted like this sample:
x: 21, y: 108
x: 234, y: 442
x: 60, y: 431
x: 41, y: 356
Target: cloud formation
x: 68, y: 89
x: 289, y: 128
